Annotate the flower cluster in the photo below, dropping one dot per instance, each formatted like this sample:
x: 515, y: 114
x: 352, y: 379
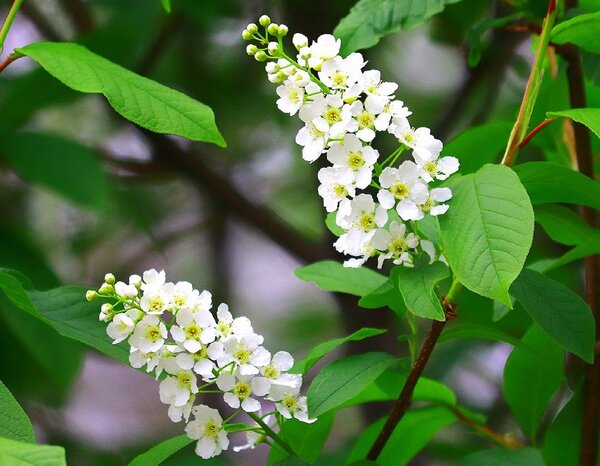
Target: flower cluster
x: 343, y: 108
x: 173, y: 334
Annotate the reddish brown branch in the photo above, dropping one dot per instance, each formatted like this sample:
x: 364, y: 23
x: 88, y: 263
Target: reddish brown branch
x: 534, y: 131
x: 506, y: 440
x: 404, y: 401
x: 8, y: 60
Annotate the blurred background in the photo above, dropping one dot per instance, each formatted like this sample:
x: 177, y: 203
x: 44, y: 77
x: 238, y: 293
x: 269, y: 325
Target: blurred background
x: 235, y: 221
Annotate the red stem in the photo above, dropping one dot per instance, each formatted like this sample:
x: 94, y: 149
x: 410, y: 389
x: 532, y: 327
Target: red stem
x: 534, y: 131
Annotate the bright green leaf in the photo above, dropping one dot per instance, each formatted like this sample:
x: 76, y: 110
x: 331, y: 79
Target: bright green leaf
x: 333, y: 276
x: 36, y: 156
x: 14, y: 422
x: 417, y: 285
x: 387, y: 295
x: 504, y: 457
x: 410, y: 436
x: 332, y: 226
x: 370, y: 20
x: 532, y: 378
x: 562, y: 314
x: 159, y: 453
x: 547, y: 182
x: 479, y: 331
x: 13, y: 453
x: 479, y: 145
x: 141, y: 100
x: 166, y: 5
x: 316, y: 353
x: 582, y: 30
x: 343, y: 379
x: 589, y: 117
x: 307, y: 440
x: 488, y: 231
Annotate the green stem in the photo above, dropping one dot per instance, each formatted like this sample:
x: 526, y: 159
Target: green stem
x: 8, y: 21
x: 271, y: 433
x: 519, y: 131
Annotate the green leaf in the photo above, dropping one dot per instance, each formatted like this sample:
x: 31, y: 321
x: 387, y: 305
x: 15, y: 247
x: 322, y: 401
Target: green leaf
x: 166, y: 5
x: 531, y: 379
x: 417, y: 285
x: 563, y: 315
x: 504, y: 457
x: 333, y: 276
x: 410, y: 436
x: 332, y: 226
x: 307, y: 440
x: 479, y: 145
x: 488, y: 231
x: 475, y: 33
x: 316, y: 353
x: 370, y: 20
x: 343, y: 379
x: 13, y: 453
x: 66, y: 310
x: 387, y: 295
x: 387, y: 387
x: 142, y: 101
x: 159, y: 453
x: 14, y: 422
x: 479, y: 331
x: 582, y: 30
x: 547, y: 182
x: 589, y: 117
x: 36, y: 156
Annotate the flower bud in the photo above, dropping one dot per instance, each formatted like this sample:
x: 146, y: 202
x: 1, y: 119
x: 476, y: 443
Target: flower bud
x: 273, y: 49
x: 304, y: 53
x: 90, y: 295
x: 283, y: 30
x: 264, y: 20
x: 106, y: 288
x: 252, y: 28
x: 300, y: 41
x: 273, y: 29
x: 251, y: 49
x: 272, y: 67
x: 135, y: 280
x: 260, y: 56
x: 109, y: 278
x: 246, y: 35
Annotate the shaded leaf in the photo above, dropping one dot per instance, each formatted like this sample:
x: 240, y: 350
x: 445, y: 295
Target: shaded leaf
x: 582, y: 30
x: 343, y: 379
x: 488, y: 231
x: 159, y: 453
x: 387, y: 295
x: 142, y: 101
x: 333, y: 276
x: 504, y: 457
x: 13, y: 453
x: 14, y: 422
x: 479, y: 331
x: 589, y: 117
x: 562, y: 314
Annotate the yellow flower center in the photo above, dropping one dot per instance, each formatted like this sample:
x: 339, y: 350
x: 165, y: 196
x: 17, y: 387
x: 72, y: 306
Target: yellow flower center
x: 431, y: 168
x: 156, y: 304
x: 242, y: 356
x: 365, y: 120
x: 398, y: 246
x: 192, y: 331
x: 355, y: 161
x: 179, y: 300
x: 399, y: 190
x: 340, y: 191
x: 294, y: 96
x: 152, y: 333
x: 270, y: 372
x: 184, y: 379
x: 242, y: 390
x: 290, y: 403
x: 211, y: 429
x: 224, y: 328
x: 338, y: 78
x: 332, y: 115
x: 367, y: 222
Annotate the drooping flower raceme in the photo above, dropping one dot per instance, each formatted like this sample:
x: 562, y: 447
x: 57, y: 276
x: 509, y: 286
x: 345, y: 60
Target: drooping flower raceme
x: 172, y: 333
x: 343, y: 108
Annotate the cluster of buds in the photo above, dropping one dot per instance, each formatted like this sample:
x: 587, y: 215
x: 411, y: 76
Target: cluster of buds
x: 343, y: 108
x: 172, y: 332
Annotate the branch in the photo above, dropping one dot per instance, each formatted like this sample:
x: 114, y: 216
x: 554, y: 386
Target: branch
x: 8, y: 60
x: 583, y: 149
x: 505, y: 440
x: 404, y: 401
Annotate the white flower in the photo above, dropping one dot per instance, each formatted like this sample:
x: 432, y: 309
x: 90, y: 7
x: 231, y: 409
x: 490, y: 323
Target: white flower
x: 202, y: 302
x: 436, y: 196
x: 253, y: 438
x: 291, y: 97
x: 402, y: 184
x: 433, y: 167
x: 153, y: 278
x: 156, y: 299
x: 274, y: 371
x: 365, y: 116
x: 379, y: 93
x: 182, y: 294
x: 239, y: 390
x: 202, y: 361
x: 177, y: 389
x: 356, y: 243
x: 420, y: 140
x: 396, y: 243
x: 325, y: 48
x: 352, y: 154
x: 207, y: 428
x: 149, y: 334
x: 125, y: 290
x: 290, y: 404
x: 336, y: 184
x: 227, y: 325
x: 361, y: 213
x: 299, y: 41
x: 135, y: 280
x: 332, y: 115
x: 246, y: 352
x: 194, y: 329
x: 342, y: 73
x: 122, y: 325
x: 177, y: 413
x: 311, y: 138
x: 393, y: 109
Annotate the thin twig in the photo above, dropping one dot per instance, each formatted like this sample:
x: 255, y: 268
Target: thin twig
x: 404, y: 401
x: 8, y: 60
x: 10, y: 17
x: 505, y: 440
x: 534, y: 131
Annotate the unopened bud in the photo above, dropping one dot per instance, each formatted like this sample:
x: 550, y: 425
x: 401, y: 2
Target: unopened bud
x: 273, y: 29
x: 246, y: 35
x: 304, y: 53
x: 260, y: 56
x: 264, y: 20
x: 135, y: 280
x: 251, y: 49
x: 90, y: 295
x: 252, y: 28
x: 106, y: 288
x: 283, y: 30
x: 272, y: 67
x: 109, y: 278
x: 273, y: 49
x: 300, y: 41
